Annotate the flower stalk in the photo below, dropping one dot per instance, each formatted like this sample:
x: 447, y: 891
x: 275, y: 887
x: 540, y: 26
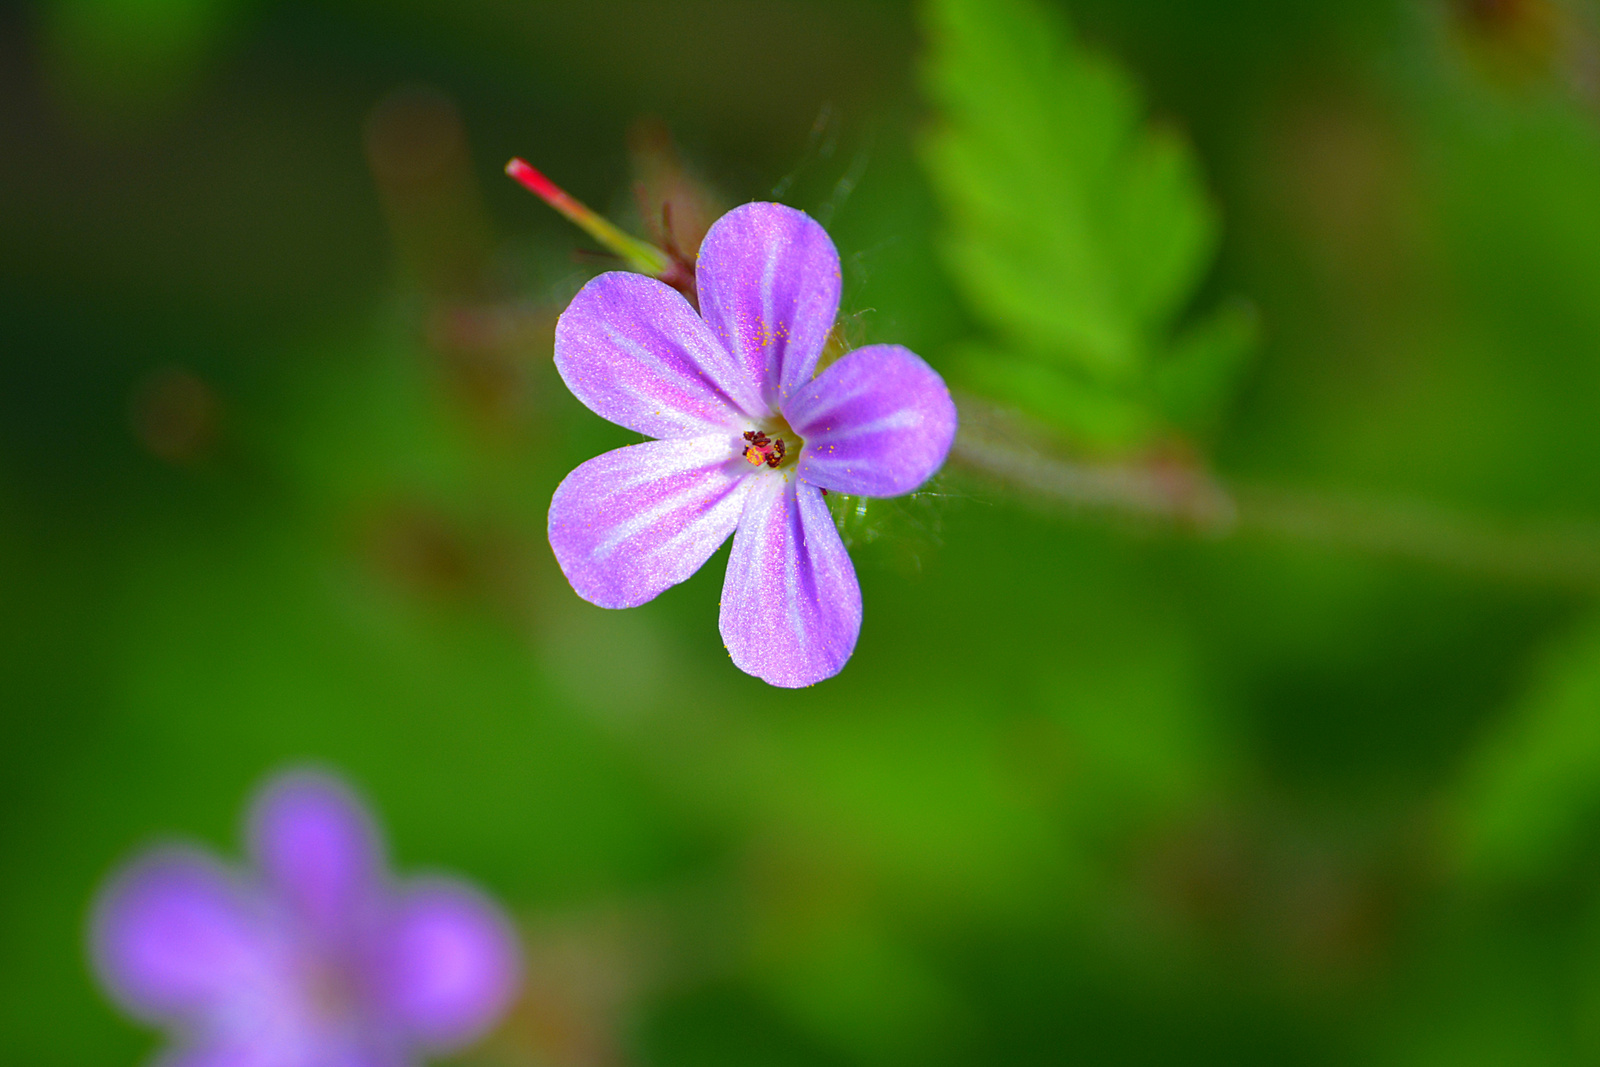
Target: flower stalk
x: 640, y: 256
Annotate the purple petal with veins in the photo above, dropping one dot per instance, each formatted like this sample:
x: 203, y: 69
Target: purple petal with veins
x: 768, y: 278
x: 626, y: 525
x: 634, y: 351
x: 791, y: 608
x: 878, y: 422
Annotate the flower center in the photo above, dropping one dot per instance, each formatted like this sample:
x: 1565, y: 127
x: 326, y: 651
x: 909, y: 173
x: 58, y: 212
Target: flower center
x: 774, y: 449
x: 331, y: 990
x: 764, y: 449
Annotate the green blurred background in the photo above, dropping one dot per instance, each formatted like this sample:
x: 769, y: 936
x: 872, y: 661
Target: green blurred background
x: 278, y: 429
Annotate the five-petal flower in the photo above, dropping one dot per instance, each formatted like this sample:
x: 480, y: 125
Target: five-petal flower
x: 314, y: 960
x: 748, y: 438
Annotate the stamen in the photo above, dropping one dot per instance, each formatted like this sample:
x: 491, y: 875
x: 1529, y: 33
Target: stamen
x: 764, y: 449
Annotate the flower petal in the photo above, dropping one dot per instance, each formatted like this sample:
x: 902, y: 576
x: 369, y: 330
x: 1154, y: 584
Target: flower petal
x: 274, y: 1049
x: 316, y: 844
x: 791, y: 608
x: 634, y: 351
x: 216, y: 1054
x: 175, y: 935
x: 635, y: 521
x: 264, y: 1052
x: 449, y: 964
x: 878, y: 422
x: 768, y: 277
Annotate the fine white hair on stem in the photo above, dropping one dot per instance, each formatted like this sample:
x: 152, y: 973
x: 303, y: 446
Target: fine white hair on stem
x: 1002, y: 448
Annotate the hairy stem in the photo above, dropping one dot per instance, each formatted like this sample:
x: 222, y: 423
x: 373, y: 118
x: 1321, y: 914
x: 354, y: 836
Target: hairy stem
x: 1185, y: 496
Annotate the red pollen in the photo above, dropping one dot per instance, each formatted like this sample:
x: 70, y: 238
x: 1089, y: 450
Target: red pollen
x: 763, y: 449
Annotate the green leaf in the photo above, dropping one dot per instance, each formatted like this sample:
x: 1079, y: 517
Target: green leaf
x: 1055, y: 394
x: 132, y: 59
x: 1193, y: 379
x: 1077, y: 231
x: 1531, y: 799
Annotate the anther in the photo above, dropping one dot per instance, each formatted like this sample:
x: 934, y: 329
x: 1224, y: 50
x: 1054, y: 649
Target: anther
x: 763, y: 449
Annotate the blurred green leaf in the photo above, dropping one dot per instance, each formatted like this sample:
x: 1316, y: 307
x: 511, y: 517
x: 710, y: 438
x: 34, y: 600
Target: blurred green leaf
x: 1195, y: 376
x: 129, y: 57
x: 1105, y: 415
x: 1533, y: 797
x: 861, y: 991
x: 1076, y: 230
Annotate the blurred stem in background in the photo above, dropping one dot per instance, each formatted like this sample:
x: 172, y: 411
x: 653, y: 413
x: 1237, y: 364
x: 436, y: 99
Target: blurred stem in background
x: 1177, y: 493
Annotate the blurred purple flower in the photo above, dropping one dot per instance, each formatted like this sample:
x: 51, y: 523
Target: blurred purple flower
x: 316, y: 958
x: 748, y: 439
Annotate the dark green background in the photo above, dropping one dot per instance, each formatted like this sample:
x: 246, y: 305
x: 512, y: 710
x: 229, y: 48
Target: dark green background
x: 1089, y: 791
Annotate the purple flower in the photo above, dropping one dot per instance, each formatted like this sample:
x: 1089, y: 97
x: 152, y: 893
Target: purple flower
x: 749, y: 439
x: 316, y: 959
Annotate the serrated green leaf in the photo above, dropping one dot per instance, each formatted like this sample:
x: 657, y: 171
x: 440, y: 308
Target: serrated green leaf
x: 1077, y: 230
x: 1074, y: 227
